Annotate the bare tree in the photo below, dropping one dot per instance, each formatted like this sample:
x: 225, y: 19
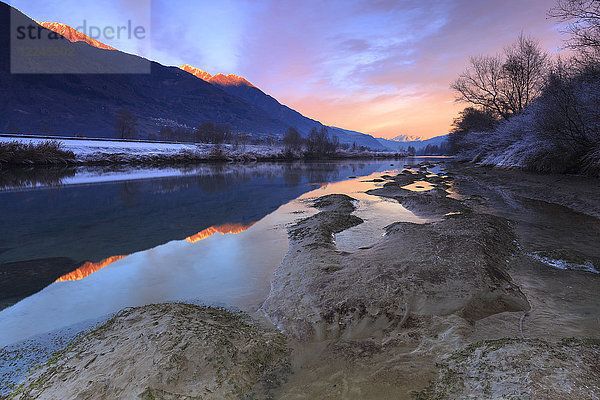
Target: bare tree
x: 209, y: 132
x: 125, y: 125
x: 318, y: 142
x: 504, y: 84
x: 481, y: 84
x: 583, y: 18
x: 292, y: 140
x: 525, y: 71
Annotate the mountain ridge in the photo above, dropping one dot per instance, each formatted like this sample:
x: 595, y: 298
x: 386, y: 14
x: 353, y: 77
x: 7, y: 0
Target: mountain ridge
x: 197, y: 72
x: 81, y: 93
x: 73, y: 35
x: 395, y: 145
x: 242, y: 88
x: 67, y: 103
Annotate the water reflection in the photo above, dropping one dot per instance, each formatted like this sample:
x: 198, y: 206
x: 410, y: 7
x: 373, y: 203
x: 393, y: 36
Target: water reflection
x: 375, y: 211
x: 78, y: 234
x: 232, y: 268
x: 17, y: 178
x: 222, y: 229
x: 419, y: 186
x: 88, y: 268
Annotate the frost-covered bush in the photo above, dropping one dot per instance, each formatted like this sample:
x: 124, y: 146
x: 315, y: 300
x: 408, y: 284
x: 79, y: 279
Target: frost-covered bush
x: 507, y: 146
x: 568, y: 117
x: 559, y: 132
x: 569, y: 109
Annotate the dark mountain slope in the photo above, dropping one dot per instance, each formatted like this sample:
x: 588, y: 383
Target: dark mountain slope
x: 66, y: 102
x: 81, y: 93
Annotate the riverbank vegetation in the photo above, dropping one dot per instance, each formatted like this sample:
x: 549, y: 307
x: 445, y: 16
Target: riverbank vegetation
x: 127, y: 152
x: 526, y: 110
x: 182, y: 145
x: 45, y: 153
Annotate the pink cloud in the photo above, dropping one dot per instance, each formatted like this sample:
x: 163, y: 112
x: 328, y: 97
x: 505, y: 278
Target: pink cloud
x: 341, y: 68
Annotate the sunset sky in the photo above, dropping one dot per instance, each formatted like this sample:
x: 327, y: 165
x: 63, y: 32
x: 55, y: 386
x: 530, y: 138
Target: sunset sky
x: 379, y: 67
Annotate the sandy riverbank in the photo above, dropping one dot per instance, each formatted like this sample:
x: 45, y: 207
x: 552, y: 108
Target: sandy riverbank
x: 165, y: 351
x: 579, y: 193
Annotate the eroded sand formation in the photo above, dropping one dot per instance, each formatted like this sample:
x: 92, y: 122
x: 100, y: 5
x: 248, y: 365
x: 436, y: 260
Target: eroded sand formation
x: 519, y: 369
x: 165, y: 351
x: 378, y: 319
x: 452, y: 266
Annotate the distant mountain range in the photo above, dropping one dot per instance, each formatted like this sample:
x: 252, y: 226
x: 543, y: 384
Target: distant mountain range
x: 418, y: 143
x: 58, y: 98
x: 407, y: 138
x: 240, y: 87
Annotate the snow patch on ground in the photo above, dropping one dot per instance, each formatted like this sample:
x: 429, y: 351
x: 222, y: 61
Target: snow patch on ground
x: 585, y: 266
x: 84, y: 148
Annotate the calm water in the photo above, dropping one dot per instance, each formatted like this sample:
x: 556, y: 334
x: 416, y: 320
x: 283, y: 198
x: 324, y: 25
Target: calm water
x: 212, y: 235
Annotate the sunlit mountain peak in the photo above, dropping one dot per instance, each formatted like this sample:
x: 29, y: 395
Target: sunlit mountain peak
x: 197, y: 72
x: 218, y: 79
x: 229, y: 80
x: 73, y: 35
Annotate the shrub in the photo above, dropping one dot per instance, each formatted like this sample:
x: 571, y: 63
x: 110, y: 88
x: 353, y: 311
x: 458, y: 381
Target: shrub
x: 45, y: 153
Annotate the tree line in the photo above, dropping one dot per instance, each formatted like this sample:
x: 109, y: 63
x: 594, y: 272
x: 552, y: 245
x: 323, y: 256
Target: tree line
x: 429, y: 150
x: 523, y: 95
x: 318, y: 141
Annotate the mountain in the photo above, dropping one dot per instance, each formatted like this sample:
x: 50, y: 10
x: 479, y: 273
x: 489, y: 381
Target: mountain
x: 73, y: 35
x: 394, y: 145
x: 81, y: 92
x: 205, y: 76
x: 407, y: 138
x: 240, y: 87
x: 218, y: 79
x: 228, y: 81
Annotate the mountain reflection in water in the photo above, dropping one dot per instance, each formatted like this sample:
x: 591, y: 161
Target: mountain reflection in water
x: 84, y: 230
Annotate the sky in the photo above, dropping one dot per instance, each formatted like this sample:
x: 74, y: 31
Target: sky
x: 381, y: 67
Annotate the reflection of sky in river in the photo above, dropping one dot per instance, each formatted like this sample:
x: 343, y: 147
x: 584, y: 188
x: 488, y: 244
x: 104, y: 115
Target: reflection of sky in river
x: 232, y: 270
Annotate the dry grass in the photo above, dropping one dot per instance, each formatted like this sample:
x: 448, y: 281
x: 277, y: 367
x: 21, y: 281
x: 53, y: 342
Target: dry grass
x: 45, y: 153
